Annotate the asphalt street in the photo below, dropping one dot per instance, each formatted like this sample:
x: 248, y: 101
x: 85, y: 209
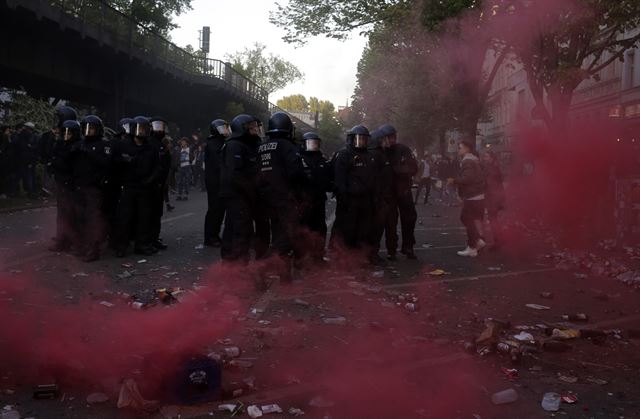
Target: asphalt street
x: 379, y: 359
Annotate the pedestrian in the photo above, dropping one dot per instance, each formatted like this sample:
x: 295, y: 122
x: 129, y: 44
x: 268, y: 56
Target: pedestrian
x: 61, y: 168
x: 27, y: 158
x: 281, y: 175
x: 354, y: 173
x: 219, y: 132
x: 139, y: 162
x: 494, y: 196
x: 404, y: 167
x: 184, y: 170
x: 313, y: 196
x: 168, y: 146
x: 238, y: 187
x: 159, y: 128
x: 383, y: 199
x: 198, y: 167
x: 91, y: 162
x: 471, y: 188
x: 424, y: 179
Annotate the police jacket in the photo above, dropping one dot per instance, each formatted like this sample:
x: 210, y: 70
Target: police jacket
x: 91, y: 160
x: 384, y: 191
x: 138, y: 164
x: 60, y: 164
x: 354, y: 172
x: 404, y: 167
x: 239, y: 170
x: 164, y: 162
x: 213, y: 159
x: 281, y: 169
x: 318, y: 175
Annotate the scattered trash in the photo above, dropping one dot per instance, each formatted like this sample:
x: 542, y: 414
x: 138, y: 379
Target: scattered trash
x: 264, y: 322
x: 294, y: 411
x: 546, y: 295
x: 438, y: 272
x: 494, y: 268
x: 142, y: 261
x: 199, y: 247
x: 79, y: 275
x: 300, y: 302
x: 492, y: 331
x: 232, y: 352
x: 97, y: 398
x: 524, y: 337
x: 271, y: 408
x: 8, y: 412
x: 254, y: 411
x: 551, y: 402
x: 411, y: 307
x: 130, y: 397
x: 504, y: 397
x: 565, y: 334
x: 569, y: 398
x: 46, y: 391
x: 106, y: 304
x: 126, y: 274
x: 127, y: 265
x: 427, y: 246
x: 597, y: 381
x: 378, y: 274
x: 321, y: 402
x: 580, y: 317
x: 537, y: 307
x: 239, y: 363
x: 567, y: 378
x: 227, y: 407
x: 511, y: 374
x: 335, y: 320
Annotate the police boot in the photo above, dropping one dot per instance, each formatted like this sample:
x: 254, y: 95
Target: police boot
x: 409, y: 253
x: 159, y: 244
x: 145, y: 250
x: 92, y: 255
x: 60, y: 246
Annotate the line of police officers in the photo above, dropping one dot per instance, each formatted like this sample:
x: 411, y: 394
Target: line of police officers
x: 269, y: 193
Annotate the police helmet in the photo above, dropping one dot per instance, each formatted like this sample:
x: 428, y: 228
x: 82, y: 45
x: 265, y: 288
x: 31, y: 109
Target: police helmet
x: 244, y: 125
x: 70, y: 130
x: 92, y: 126
x: 219, y: 127
x: 311, y: 141
x: 358, y: 136
x: 140, y: 127
x: 124, y: 126
x: 280, y: 125
x: 65, y: 113
x: 388, y: 130
x: 159, y: 126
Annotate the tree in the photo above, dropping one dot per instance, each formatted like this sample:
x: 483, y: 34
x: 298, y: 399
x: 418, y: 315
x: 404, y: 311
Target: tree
x: 294, y: 103
x: 269, y: 71
x: 157, y: 15
x: 21, y: 108
x: 232, y: 110
x: 562, y: 44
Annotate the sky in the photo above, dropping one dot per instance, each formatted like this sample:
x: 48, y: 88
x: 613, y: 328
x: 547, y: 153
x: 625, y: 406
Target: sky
x: 329, y: 65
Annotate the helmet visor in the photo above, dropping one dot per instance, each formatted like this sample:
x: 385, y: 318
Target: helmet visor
x: 91, y: 130
x: 256, y: 129
x: 127, y: 128
x: 312, y: 145
x: 141, y: 130
x: 68, y: 134
x: 159, y: 126
x: 224, y: 130
x: 360, y: 141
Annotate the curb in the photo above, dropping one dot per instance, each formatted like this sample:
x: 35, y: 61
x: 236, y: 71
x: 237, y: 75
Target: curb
x: 27, y: 207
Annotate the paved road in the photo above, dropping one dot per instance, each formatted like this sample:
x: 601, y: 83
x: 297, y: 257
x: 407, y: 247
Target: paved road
x: 384, y: 361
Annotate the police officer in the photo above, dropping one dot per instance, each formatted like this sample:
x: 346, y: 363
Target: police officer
x: 61, y: 169
x: 354, y: 172
x: 281, y: 173
x: 404, y: 167
x: 49, y: 139
x: 319, y: 177
x: 383, y: 195
x: 139, y: 162
x: 91, y: 161
x: 238, y: 187
x: 159, y: 130
x: 219, y: 131
x: 114, y: 187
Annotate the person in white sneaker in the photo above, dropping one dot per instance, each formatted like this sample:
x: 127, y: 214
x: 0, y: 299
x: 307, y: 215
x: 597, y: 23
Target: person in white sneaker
x: 471, y: 186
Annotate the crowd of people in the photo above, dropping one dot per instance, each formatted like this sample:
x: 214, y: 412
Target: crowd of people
x: 268, y: 192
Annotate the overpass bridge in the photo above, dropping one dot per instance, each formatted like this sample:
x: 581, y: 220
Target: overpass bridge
x: 88, y: 52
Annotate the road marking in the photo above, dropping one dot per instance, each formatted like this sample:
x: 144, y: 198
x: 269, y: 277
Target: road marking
x: 177, y: 217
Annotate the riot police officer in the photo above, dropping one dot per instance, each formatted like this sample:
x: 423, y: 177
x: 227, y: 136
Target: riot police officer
x: 159, y: 128
x: 219, y: 131
x: 238, y: 187
x: 139, y: 162
x: 354, y: 178
x: 383, y: 195
x: 114, y: 187
x: 404, y: 167
x: 281, y: 173
x: 61, y: 169
x: 313, y: 196
x: 91, y: 161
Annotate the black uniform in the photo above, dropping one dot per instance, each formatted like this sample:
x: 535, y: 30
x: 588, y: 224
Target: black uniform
x: 212, y: 173
x: 160, y: 186
x: 355, y: 172
x: 383, y: 199
x: 238, y: 188
x: 313, y: 197
x: 281, y: 172
x: 91, y: 161
x: 404, y: 167
x: 61, y: 168
x: 135, y: 213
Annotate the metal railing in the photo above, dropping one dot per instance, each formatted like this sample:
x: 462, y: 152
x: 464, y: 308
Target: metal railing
x: 119, y: 29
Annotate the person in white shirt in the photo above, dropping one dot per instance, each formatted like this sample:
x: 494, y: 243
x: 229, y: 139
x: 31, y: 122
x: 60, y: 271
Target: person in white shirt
x: 424, y: 180
x: 184, y: 170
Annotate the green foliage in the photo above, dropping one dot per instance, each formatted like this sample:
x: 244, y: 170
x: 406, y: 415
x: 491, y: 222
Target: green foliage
x: 269, y: 71
x: 157, y: 15
x: 294, y: 103
x: 21, y: 108
x: 232, y: 110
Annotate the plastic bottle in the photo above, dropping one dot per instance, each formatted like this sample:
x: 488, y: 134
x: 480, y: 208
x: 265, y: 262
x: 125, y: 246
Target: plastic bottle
x: 504, y: 397
x: 580, y: 317
x: 551, y: 402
